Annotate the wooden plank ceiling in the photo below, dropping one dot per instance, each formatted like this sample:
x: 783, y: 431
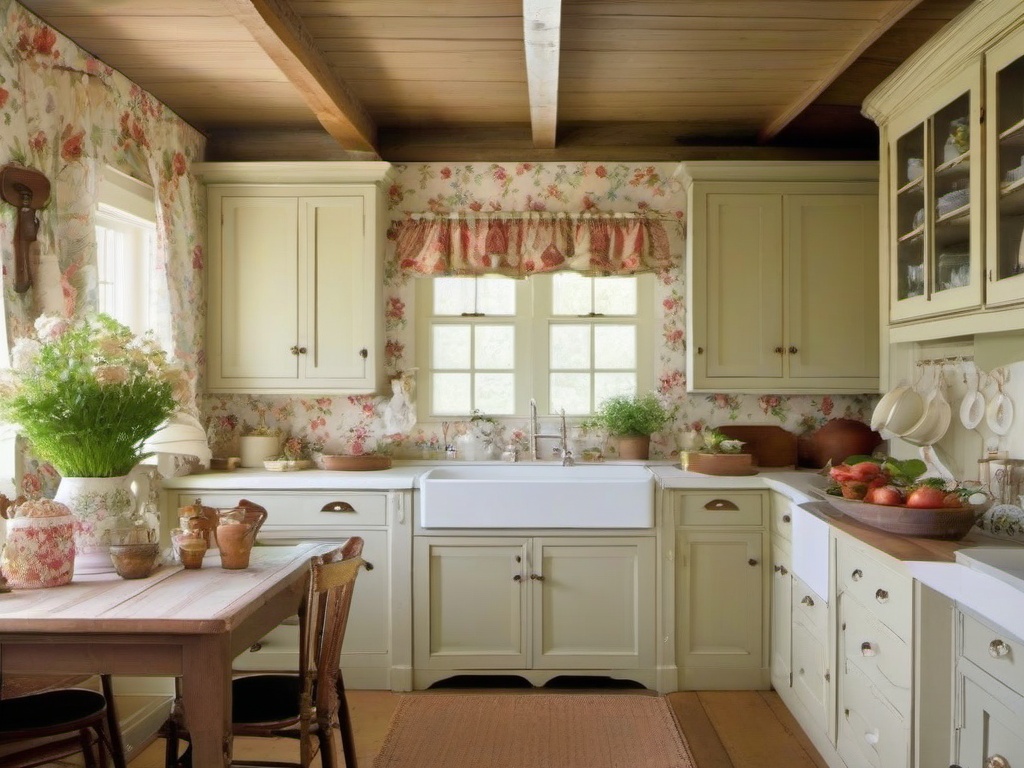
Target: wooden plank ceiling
x: 508, y: 79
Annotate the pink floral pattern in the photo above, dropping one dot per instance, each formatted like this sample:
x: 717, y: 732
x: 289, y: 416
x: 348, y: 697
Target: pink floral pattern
x: 39, y: 552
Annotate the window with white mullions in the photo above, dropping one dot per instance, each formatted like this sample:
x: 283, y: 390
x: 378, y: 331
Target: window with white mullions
x: 566, y: 339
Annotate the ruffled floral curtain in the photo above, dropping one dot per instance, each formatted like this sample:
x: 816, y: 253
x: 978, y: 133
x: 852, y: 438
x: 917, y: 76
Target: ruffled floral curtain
x: 518, y: 245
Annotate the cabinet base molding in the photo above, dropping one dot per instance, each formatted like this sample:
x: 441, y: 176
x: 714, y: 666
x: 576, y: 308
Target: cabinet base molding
x: 811, y: 728
x: 718, y: 679
x: 424, y: 678
x: 668, y: 679
x: 401, y: 679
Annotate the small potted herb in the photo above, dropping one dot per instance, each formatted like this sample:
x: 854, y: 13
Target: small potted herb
x: 632, y: 419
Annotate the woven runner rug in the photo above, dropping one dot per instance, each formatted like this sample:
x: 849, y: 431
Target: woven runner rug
x: 534, y: 731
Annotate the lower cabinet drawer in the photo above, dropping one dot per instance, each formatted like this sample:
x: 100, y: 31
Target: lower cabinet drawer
x: 877, y: 652
x: 994, y: 651
x: 810, y: 683
x: 287, y: 509
x: 871, y: 733
x: 810, y: 609
x: 275, y: 652
x: 884, y: 592
x: 720, y: 508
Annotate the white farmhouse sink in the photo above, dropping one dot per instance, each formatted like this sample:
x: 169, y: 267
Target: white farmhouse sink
x: 537, y: 496
x: 1003, y: 563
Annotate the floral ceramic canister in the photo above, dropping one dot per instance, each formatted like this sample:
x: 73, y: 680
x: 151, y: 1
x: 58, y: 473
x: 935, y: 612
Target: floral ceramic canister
x: 40, y: 546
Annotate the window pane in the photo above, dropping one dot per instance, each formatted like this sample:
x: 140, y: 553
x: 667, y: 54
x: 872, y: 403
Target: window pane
x: 614, y: 346
x: 615, y: 295
x: 495, y: 393
x: 570, y: 391
x: 495, y: 347
x: 570, y: 294
x: 450, y: 346
x: 496, y: 295
x: 451, y: 393
x: 608, y: 384
x: 453, y: 295
x: 570, y: 347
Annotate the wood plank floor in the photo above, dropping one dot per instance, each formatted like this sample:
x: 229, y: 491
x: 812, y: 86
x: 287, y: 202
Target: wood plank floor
x: 725, y: 729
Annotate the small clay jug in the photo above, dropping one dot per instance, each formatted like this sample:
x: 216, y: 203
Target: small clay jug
x: 236, y: 534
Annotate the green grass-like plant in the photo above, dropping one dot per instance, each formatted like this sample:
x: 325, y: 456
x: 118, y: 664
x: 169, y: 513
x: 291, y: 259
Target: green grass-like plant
x: 88, y: 393
x: 633, y: 414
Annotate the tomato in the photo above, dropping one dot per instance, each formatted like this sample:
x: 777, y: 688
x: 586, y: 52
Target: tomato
x: 865, y: 471
x: 886, y: 495
x: 926, y: 497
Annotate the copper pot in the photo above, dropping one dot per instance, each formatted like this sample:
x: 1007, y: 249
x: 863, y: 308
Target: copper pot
x: 835, y: 441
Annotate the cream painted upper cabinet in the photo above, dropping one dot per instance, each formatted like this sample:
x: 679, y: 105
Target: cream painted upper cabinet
x: 951, y: 121
x: 782, y: 277
x: 295, y: 277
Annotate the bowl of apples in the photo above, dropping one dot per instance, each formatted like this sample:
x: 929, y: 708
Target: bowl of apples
x: 891, y: 495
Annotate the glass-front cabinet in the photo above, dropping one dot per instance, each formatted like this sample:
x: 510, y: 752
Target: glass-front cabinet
x: 1004, y: 90
x: 935, y: 173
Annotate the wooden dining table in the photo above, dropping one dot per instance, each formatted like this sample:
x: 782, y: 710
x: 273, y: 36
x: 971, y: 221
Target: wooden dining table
x: 182, y: 623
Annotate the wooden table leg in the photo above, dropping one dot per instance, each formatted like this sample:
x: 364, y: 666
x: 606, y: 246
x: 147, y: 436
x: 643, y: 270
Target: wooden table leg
x: 206, y: 692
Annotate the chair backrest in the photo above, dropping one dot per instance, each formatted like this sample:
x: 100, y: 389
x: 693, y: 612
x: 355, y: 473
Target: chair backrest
x: 332, y: 579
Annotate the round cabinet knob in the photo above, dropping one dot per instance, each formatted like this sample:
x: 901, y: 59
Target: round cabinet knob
x: 808, y: 601
x: 517, y: 577
x: 786, y: 518
x: 998, y: 648
x: 364, y: 353
x: 295, y: 349
x: 751, y: 562
x: 536, y: 577
x: 700, y: 350
x: 881, y: 596
x: 779, y: 350
x: 302, y: 350
x: 784, y: 571
x: 866, y: 649
x: 793, y: 350
x: 777, y: 568
x: 857, y: 575
x: 997, y: 761
x: 255, y: 647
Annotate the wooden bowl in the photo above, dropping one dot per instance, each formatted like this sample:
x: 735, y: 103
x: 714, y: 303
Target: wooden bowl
x: 949, y: 523
x: 363, y: 463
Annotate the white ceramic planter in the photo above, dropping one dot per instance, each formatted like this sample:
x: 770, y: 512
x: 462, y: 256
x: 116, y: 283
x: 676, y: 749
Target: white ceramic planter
x: 255, y: 449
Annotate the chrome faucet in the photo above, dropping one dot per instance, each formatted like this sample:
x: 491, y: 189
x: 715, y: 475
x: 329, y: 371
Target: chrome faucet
x: 563, y: 437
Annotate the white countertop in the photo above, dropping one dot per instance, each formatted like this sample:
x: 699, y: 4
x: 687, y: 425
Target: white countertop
x: 395, y: 478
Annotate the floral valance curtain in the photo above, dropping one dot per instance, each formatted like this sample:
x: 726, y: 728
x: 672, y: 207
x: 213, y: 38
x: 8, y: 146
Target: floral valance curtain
x: 518, y: 245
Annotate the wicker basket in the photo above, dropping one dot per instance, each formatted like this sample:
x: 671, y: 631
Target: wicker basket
x: 946, y: 523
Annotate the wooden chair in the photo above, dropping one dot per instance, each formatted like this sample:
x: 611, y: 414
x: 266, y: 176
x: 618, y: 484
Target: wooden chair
x: 60, y: 723
x: 309, y: 706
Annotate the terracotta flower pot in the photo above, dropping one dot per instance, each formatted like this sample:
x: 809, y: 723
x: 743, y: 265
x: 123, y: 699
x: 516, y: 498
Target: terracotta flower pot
x: 634, y: 446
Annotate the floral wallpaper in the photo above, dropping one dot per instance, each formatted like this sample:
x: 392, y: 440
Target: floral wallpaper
x: 356, y: 424
x: 68, y: 115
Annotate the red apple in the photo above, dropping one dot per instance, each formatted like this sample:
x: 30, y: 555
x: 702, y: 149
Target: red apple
x: 865, y: 471
x: 926, y: 497
x: 886, y: 495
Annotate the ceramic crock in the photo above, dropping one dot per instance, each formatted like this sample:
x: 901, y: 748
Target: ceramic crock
x: 39, y: 552
x: 99, y: 505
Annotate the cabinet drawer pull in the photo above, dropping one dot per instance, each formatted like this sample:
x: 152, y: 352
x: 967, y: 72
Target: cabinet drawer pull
x: 779, y: 350
x: 786, y: 518
x: 998, y: 648
x: 828, y: 677
x: 536, y: 577
x: 808, y: 601
x: 793, y: 350
x: 784, y: 570
x: 364, y: 353
x: 881, y: 596
x: 721, y: 505
x: 871, y: 737
x: 752, y: 562
x: 857, y: 575
x: 866, y: 649
x: 997, y: 761
x: 337, y: 506
x: 517, y: 577
x: 255, y: 647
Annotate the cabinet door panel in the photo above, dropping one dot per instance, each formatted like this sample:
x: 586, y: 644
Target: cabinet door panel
x: 782, y: 615
x: 832, y: 285
x: 744, y: 290
x: 991, y: 726
x: 719, y: 598
x: 339, y: 277
x: 254, y: 284
x: 595, y: 601
x: 469, y: 607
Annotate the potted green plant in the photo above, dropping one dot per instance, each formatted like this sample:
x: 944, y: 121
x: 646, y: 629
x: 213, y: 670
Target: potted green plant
x: 632, y: 419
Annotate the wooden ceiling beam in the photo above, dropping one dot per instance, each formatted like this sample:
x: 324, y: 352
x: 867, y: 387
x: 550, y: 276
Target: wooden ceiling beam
x: 281, y: 33
x: 542, y: 34
x: 786, y: 116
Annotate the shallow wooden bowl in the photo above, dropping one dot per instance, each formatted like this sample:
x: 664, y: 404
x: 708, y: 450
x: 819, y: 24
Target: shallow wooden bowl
x: 364, y: 463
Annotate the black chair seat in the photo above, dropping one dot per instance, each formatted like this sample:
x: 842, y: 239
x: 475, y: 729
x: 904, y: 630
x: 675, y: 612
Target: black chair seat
x: 265, y: 699
x: 50, y: 711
